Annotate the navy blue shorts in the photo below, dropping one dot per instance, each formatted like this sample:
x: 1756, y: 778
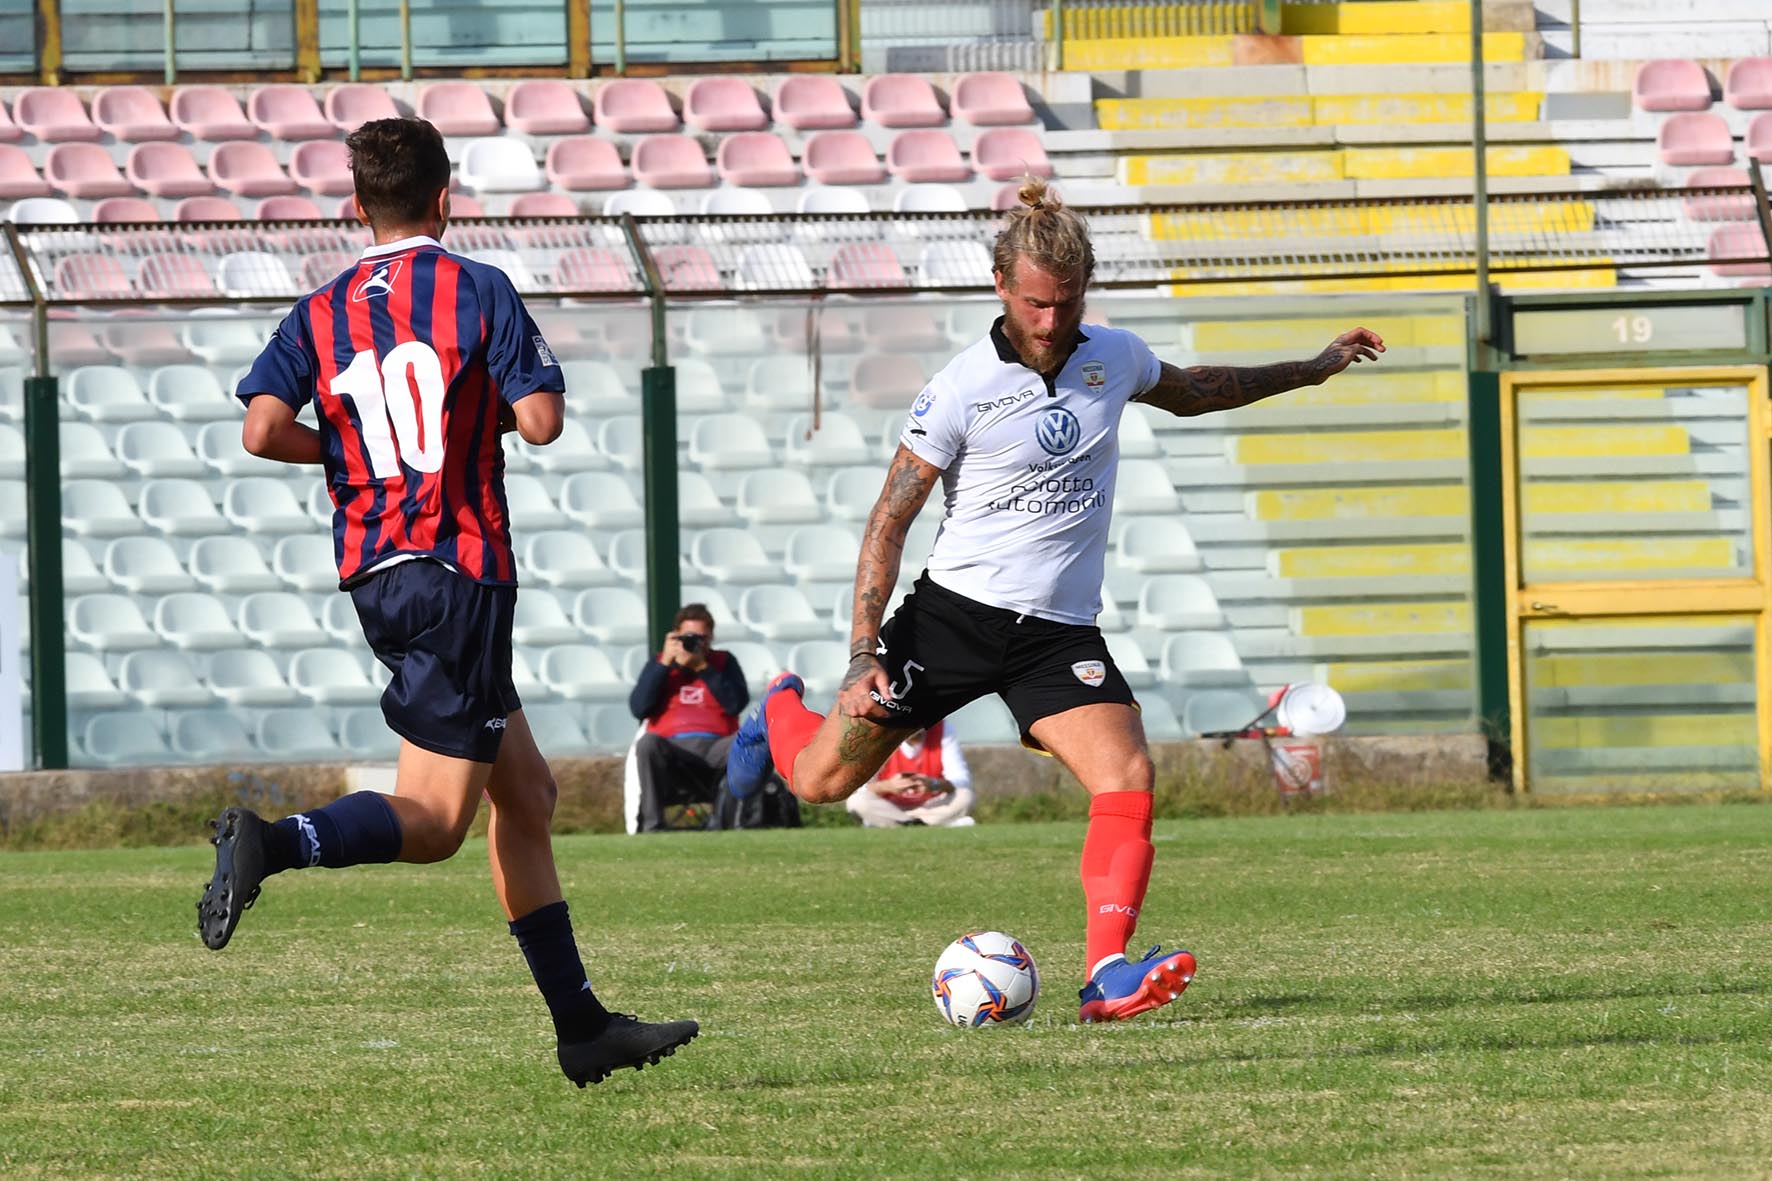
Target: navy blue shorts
x: 447, y: 640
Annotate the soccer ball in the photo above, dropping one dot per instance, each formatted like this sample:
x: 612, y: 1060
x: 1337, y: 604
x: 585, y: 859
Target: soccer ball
x: 985, y: 978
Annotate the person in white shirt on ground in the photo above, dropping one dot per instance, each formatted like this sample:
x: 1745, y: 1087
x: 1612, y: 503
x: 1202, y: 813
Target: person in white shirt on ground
x: 925, y: 781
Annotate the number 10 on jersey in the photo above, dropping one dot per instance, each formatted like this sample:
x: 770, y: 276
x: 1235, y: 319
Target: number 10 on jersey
x: 399, y: 406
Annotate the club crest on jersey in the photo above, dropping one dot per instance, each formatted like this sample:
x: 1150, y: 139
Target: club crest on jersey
x: 380, y: 281
x: 921, y: 406
x: 1090, y: 672
x: 1058, y: 431
x: 1094, y: 374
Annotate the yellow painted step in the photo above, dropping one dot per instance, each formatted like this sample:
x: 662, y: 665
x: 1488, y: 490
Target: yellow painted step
x: 1360, y: 49
x: 1350, y: 447
x: 1617, y: 554
x: 1586, y: 278
x: 1397, y: 331
x: 1336, y: 221
x: 1202, y: 18
x: 1359, y: 504
x: 1232, y: 168
x: 1340, y: 110
x: 1617, y: 496
x: 1595, y: 441
x: 1406, y: 163
x: 1579, y: 669
x: 1640, y: 730
x: 1398, y: 676
x: 1331, y: 110
x: 1387, y: 17
x: 1364, y: 387
x: 1372, y: 561
x: 1149, y: 53
x: 1382, y: 619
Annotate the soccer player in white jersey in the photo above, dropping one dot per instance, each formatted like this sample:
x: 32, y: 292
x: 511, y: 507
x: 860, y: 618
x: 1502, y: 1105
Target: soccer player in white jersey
x: 1022, y: 431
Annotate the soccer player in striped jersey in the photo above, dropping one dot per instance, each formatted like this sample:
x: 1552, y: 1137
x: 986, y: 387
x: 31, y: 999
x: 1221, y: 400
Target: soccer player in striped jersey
x: 416, y: 361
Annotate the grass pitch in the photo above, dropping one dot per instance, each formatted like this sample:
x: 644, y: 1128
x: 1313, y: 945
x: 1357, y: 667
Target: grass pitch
x: 1534, y: 993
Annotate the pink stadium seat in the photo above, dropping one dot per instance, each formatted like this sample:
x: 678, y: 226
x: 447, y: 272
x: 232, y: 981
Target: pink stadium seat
x: 1748, y: 84
x: 53, y: 115
x: 1006, y: 198
x: 671, y: 162
x: 124, y: 209
x: 1672, y: 84
x: 9, y: 131
x: 585, y: 162
x: 288, y: 112
x: 919, y: 156
x: 632, y: 105
x: 901, y: 100
x: 990, y: 99
x: 248, y: 169
x: 723, y: 104
x: 350, y: 106
x: 165, y: 170
x: 289, y: 209
x: 545, y: 106
x: 18, y: 177
x: 1691, y: 138
x: 174, y: 274
x: 322, y: 166
x: 460, y: 205
x: 84, y: 170
x: 210, y: 113
x: 1759, y: 138
x: 1734, y: 207
x: 1735, y: 242
x: 886, y: 380
x: 207, y: 209
x: 842, y: 158
x: 595, y: 269
x: 543, y: 205
x: 458, y: 108
x: 812, y: 102
x: 1004, y: 153
x: 131, y: 114
x: 88, y: 276
x: 756, y: 159
x: 866, y: 264
x: 75, y: 344
x: 687, y: 268
x: 317, y: 270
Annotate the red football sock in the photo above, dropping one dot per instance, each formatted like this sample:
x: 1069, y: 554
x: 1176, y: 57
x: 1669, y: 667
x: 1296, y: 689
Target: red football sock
x: 791, y: 727
x: 1116, y: 870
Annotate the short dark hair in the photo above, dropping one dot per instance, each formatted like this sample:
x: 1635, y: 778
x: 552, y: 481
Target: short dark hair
x: 695, y: 611
x: 398, y: 166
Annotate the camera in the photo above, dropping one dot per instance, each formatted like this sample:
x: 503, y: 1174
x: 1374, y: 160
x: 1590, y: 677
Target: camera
x: 691, y: 641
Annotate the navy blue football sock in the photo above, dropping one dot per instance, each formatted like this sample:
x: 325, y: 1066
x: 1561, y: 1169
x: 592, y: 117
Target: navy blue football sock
x: 545, y: 937
x: 358, y: 829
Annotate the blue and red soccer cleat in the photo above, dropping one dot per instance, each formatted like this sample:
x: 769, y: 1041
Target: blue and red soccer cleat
x: 748, y: 762
x: 1130, y: 987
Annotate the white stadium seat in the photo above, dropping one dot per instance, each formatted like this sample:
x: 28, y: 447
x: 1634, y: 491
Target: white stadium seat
x: 161, y: 678
x: 211, y: 736
x: 262, y: 504
x: 580, y: 672
x: 1172, y: 602
x: 191, y: 393
x: 779, y: 496
x: 326, y: 677
x: 698, y: 505
x: 198, y: 621
x: 539, y: 620
x: 89, y: 686
x: 611, y: 615
x: 305, y: 562
x: 125, y: 740
x: 280, y: 619
x: 153, y: 449
x: 780, y: 613
x: 1202, y: 659
x: 110, y: 623
x: 96, y: 508
x: 731, y: 556
x: 181, y: 507
x: 231, y: 564
x: 248, y: 677
x: 144, y: 565
x: 296, y: 736
x: 565, y: 558
x: 601, y: 500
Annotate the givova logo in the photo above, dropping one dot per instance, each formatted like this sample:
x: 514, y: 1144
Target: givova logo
x: 1057, y: 431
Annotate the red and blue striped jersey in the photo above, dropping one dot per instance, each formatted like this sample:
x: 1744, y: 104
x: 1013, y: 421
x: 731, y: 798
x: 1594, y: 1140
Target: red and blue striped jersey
x: 409, y: 357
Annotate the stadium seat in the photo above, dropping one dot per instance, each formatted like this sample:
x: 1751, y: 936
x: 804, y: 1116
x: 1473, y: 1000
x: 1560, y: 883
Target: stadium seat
x: 540, y: 620
x: 231, y: 565
x: 565, y: 558
x: 529, y: 505
x: 201, y: 209
x: 12, y: 508
x: 990, y: 98
x: 842, y: 158
x: 731, y: 556
x: 1219, y: 711
x: 321, y: 166
x: 248, y: 170
x: 290, y: 208
x: 218, y: 444
x: 286, y: 112
x: 600, y: 500
x: 499, y: 165
x: 1671, y: 84
x: 671, y: 161
x: 581, y: 672
x: 321, y: 676
x: 295, y: 736
x: 280, y: 619
x: 986, y: 722
x: 125, y: 740
x: 821, y: 664
x: 699, y: 390
x: 821, y: 553
x: 18, y: 176
x: 698, y: 505
x: 724, y: 442
x: 634, y: 105
x: 110, y: 623
x: 1008, y: 153
x: 305, y: 561
x: 144, y: 566
x: 543, y: 205
x: 318, y: 270
x: 954, y: 264
x: 1158, y: 545
x: 627, y: 556
x: 585, y: 162
x: 1143, y: 486
x: 928, y: 198
x: 1748, y: 84
x: 781, y: 614
x: 687, y: 268
x: 262, y: 504
x: 545, y: 106
x: 53, y: 114
x: 901, y: 100
x: 717, y: 105
x: 353, y: 104
x: 1129, y: 658
x: 181, y: 508
x: 88, y: 685
x: 131, y: 114
x: 12, y: 452
x: 97, y: 508
x: 594, y: 269
x: 1178, y: 602
x: 758, y: 159
x: 621, y: 442
x: 812, y: 102
x: 165, y: 170
x: 211, y: 736
x: 255, y: 272
x: 779, y: 381
x: 611, y: 615
x: 43, y: 211
x: 1759, y: 138
x: 866, y: 265
x: 210, y: 113
x: 84, y: 452
x: 107, y: 393
x: 192, y: 393
x: 737, y: 202
x: 363, y: 734
x: 1742, y: 241
x: 1006, y: 198
x: 10, y: 132
x: 1695, y: 138
x: 640, y: 203
x: 1199, y: 659
x: 926, y: 155
x: 76, y: 169
x: 883, y: 381
x: 338, y: 615
x: 837, y: 441
x: 820, y: 198
x: 161, y: 678
x: 457, y: 109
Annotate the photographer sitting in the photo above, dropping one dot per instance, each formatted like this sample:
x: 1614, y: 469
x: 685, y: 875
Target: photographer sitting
x: 690, y: 696
x: 926, y: 781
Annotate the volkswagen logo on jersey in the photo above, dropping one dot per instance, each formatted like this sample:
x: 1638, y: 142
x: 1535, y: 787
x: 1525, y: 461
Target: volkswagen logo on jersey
x: 921, y: 406
x: 1058, y: 431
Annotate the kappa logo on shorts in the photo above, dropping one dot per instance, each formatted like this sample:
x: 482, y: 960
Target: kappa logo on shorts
x: 1094, y: 374
x: 495, y: 724
x: 380, y: 281
x: 1058, y: 432
x: 1090, y: 672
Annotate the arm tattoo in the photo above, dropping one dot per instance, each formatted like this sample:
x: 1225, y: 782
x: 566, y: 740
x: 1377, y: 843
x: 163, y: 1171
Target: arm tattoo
x: 882, y: 545
x: 1202, y: 389
x: 858, y: 733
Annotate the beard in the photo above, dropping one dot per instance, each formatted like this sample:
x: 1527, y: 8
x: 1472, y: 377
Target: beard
x: 1043, y: 359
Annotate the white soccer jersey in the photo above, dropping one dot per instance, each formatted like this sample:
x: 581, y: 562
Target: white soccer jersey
x: 1028, y: 469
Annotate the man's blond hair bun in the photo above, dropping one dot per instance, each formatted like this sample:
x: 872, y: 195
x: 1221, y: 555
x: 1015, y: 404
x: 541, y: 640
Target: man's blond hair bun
x: 1043, y: 229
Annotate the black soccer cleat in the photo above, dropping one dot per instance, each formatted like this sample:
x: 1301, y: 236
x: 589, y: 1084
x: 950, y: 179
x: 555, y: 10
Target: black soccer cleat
x: 242, y: 858
x: 625, y: 1042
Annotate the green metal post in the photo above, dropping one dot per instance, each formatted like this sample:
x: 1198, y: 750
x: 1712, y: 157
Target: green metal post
x: 406, y: 40
x: 355, y: 60
x: 1058, y: 34
x: 1269, y: 19
x: 171, y: 54
x: 1574, y: 28
x: 621, y: 41
x: 43, y: 528
x: 658, y: 426
x: 1480, y: 147
x: 1489, y: 568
